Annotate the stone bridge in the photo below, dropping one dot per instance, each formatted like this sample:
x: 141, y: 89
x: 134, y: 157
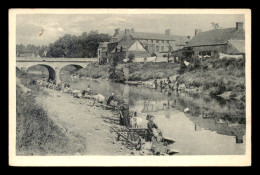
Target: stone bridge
x: 54, y: 65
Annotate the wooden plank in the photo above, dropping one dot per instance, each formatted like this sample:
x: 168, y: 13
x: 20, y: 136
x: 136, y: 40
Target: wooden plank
x: 168, y: 139
x: 123, y: 134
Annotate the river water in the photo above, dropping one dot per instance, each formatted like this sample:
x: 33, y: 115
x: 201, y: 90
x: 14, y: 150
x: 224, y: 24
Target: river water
x: 194, y: 134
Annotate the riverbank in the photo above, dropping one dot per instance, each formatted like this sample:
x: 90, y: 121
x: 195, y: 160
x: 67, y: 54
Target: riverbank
x: 63, y: 125
x: 137, y: 71
x: 215, y: 77
x: 36, y: 133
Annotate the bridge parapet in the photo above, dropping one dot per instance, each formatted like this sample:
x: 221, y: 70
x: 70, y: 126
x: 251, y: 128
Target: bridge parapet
x: 39, y: 59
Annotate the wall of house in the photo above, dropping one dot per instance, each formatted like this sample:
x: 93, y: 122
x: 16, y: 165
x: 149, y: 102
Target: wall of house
x: 155, y: 45
x: 232, y: 50
x: 137, y: 47
x: 124, y: 55
x: 214, y: 50
x: 138, y: 54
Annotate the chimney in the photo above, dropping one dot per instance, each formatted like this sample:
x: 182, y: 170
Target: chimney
x: 197, y: 31
x: 168, y: 32
x: 188, y: 37
x: 239, y: 25
x: 117, y: 31
x: 127, y: 31
x: 132, y: 30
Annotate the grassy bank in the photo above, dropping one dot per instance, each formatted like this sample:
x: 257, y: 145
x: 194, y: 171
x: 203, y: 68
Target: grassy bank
x: 150, y: 70
x: 216, y: 77
x: 36, y: 133
x: 225, y: 77
x: 137, y: 71
x: 94, y: 70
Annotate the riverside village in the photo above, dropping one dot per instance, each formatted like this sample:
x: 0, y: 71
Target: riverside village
x: 130, y: 85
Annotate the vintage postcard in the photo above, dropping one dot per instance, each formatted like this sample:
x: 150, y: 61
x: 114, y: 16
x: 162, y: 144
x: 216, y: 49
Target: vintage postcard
x: 130, y: 87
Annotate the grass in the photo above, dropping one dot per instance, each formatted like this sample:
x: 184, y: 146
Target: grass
x: 36, y: 133
x: 148, y: 71
x: 213, y: 76
x: 138, y: 71
x: 94, y: 70
x: 217, y: 76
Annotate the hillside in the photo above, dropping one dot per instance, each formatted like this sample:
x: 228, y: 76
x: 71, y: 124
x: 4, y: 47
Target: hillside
x: 224, y: 77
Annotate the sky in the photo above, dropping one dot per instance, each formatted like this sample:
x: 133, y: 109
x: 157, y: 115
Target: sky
x: 29, y: 27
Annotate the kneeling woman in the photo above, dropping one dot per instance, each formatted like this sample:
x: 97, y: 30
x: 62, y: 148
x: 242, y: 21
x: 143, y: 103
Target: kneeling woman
x: 153, y: 128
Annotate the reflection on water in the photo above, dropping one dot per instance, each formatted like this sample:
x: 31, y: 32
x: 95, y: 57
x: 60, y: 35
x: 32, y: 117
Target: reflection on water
x: 196, y: 132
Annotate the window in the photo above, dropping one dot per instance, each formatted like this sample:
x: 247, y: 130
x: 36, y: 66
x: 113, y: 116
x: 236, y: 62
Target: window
x: 203, y: 53
x: 157, y: 48
x: 167, y: 41
x: 162, y: 48
x: 162, y: 41
x: 157, y: 41
x: 151, y: 41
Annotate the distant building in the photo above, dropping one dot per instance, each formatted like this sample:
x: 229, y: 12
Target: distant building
x: 228, y: 41
x: 102, y: 52
x: 143, y: 44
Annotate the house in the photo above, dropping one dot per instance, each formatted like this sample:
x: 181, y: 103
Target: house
x: 146, y: 43
x: 102, y: 53
x: 229, y: 41
x: 126, y: 46
x: 157, y: 43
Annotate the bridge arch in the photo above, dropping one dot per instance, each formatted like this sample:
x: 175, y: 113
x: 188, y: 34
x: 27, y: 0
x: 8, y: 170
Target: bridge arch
x: 53, y: 65
x: 51, y: 70
x: 77, y: 66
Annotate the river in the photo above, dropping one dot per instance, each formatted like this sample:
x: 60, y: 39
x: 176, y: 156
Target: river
x: 194, y: 134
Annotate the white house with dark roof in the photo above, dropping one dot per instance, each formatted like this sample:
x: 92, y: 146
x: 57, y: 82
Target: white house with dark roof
x: 153, y: 43
x: 102, y: 52
x: 228, y: 41
x: 125, y: 46
x: 157, y: 43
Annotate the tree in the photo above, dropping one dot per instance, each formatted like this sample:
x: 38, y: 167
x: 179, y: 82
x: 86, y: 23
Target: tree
x: 30, y: 49
x: 82, y: 46
x: 20, y: 48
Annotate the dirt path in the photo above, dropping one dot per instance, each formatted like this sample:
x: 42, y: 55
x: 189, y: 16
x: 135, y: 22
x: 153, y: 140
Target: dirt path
x: 81, y: 118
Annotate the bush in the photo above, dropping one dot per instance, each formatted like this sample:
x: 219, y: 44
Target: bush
x: 183, y: 67
x: 131, y: 57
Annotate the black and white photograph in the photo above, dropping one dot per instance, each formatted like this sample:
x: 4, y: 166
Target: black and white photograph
x: 115, y: 85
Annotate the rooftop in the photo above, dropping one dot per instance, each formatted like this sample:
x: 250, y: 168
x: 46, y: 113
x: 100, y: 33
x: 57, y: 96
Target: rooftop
x: 180, y: 40
x: 217, y: 36
x: 126, y: 42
